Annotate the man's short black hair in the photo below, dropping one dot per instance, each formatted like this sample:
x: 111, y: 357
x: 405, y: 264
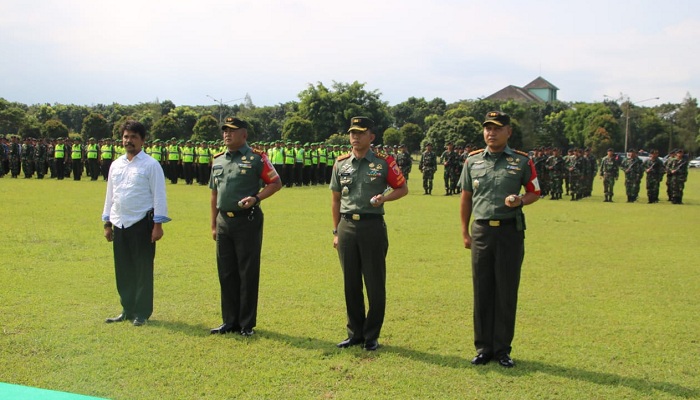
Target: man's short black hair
x: 134, y: 126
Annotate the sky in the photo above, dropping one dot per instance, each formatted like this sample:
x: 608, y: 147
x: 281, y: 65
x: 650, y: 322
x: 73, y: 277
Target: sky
x: 90, y: 52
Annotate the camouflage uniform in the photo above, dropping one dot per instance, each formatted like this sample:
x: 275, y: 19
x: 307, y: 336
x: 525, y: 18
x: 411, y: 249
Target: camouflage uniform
x: 609, y: 171
x: 575, y: 166
x: 15, y: 151
x: 428, y: 166
x: 677, y: 174
x: 633, y: 168
x: 404, y: 161
x: 654, y: 168
x: 41, y: 160
x: 556, y: 171
x: 450, y: 159
x: 28, y: 151
x: 592, y: 171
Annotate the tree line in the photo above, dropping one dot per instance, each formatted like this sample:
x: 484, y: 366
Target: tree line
x: 322, y: 114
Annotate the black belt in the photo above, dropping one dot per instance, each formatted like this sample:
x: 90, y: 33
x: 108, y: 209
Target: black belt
x: 495, y: 222
x: 239, y: 213
x: 361, y: 217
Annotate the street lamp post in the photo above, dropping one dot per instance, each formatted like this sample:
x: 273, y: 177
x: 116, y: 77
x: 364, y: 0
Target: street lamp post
x: 221, y: 106
x: 628, y: 104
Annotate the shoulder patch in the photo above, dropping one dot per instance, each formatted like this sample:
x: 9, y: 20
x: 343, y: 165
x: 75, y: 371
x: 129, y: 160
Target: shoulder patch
x: 522, y: 153
x: 343, y: 157
x: 219, y: 154
x: 259, y: 152
x: 476, y: 152
x: 381, y: 155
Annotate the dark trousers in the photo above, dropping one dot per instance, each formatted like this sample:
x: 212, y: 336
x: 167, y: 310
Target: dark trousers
x: 173, y: 170
x: 362, y: 248
x: 298, y: 174
x: 133, y: 267
x: 203, y: 173
x: 188, y: 169
x: 94, y: 168
x: 238, y: 246
x: 497, y: 255
x: 77, y: 166
x: 105, y: 168
x: 288, y: 175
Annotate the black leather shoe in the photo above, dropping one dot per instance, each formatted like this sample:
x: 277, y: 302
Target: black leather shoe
x: 349, y: 342
x: 481, y: 359
x: 118, y: 318
x: 138, y: 321
x: 224, y: 328
x: 247, y: 332
x: 371, y: 345
x: 505, y: 361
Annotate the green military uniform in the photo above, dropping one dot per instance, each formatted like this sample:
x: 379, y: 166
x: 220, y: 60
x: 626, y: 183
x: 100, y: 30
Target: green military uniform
x: 609, y: 171
x: 576, y: 168
x: 428, y: 166
x: 556, y: 169
x: 362, y: 236
x: 633, y: 168
x: 404, y: 161
x: 654, y: 168
x: 497, y: 242
x: 677, y: 175
x: 239, y: 232
x: 450, y: 160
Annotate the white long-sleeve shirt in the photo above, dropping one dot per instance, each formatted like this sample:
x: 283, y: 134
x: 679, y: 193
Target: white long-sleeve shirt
x: 133, y: 188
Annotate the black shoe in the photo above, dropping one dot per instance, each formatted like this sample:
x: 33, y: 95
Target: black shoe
x: 481, y: 359
x: 247, y: 332
x: 505, y: 361
x: 224, y: 328
x: 349, y: 342
x: 371, y: 345
x: 138, y: 321
x: 118, y: 318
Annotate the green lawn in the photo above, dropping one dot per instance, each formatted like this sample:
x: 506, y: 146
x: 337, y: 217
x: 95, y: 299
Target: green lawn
x: 609, y: 302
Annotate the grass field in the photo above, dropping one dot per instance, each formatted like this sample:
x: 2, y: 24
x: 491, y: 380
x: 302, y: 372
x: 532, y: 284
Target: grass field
x: 609, y: 303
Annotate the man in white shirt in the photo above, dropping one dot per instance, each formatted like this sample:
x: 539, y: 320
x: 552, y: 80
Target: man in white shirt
x: 134, y: 211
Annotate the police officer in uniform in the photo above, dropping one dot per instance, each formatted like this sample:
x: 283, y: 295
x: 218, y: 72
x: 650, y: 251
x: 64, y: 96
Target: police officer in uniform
x: 491, y: 180
x: 237, y: 224
x: 358, y: 182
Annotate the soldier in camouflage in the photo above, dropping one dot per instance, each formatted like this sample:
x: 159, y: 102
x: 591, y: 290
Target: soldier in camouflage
x: 428, y: 166
x: 654, y: 168
x: 609, y: 172
x: 677, y: 175
x: 404, y: 161
x: 575, y: 167
x: 556, y: 171
x: 450, y: 160
x: 633, y: 168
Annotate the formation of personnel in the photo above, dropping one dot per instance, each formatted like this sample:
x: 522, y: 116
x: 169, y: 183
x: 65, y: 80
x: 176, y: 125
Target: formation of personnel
x: 572, y: 174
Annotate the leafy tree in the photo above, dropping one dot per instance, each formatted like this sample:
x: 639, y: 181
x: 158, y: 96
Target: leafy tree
x: 71, y: 115
x: 116, y: 128
x: 54, y: 128
x: 165, y: 128
x: 45, y: 112
x: 31, y: 127
x: 411, y: 136
x: 186, y: 118
x: 416, y: 110
x: 207, y: 128
x: 166, y: 106
x: 95, y: 125
x: 297, y: 128
x: 392, y: 136
x: 339, y: 139
x: 12, y: 119
x: 330, y: 110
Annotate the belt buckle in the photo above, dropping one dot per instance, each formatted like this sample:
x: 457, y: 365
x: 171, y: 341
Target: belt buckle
x: 356, y: 217
x: 230, y: 214
x: 494, y: 222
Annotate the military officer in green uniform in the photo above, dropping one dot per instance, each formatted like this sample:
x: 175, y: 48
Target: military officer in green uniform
x: 361, y: 182
x: 237, y: 224
x: 491, y: 181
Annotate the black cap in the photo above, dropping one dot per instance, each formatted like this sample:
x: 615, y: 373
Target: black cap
x: 497, y: 118
x: 611, y: 149
x: 360, y: 124
x: 234, y: 123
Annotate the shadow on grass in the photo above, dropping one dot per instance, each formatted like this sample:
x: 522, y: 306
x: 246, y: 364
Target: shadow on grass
x: 523, y: 368
x: 181, y: 327
x: 526, y: 367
